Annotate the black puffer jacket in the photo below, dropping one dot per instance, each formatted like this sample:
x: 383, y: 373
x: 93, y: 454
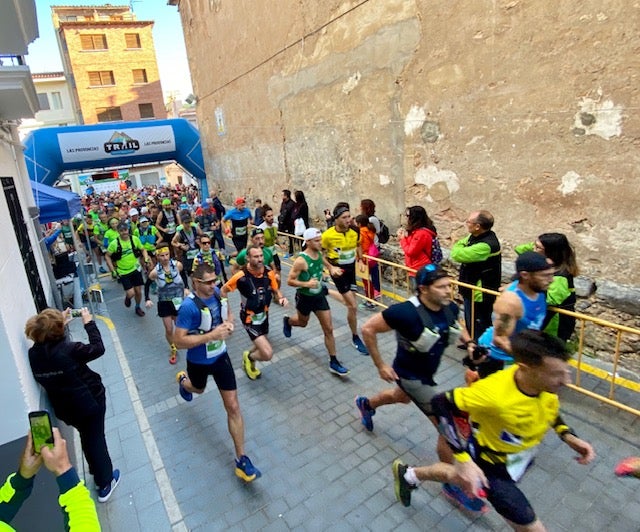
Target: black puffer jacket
x: 75, y: 391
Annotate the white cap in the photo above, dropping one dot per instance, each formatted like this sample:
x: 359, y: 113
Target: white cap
x: 144, y: 210
x: 311, y: 233
x: 133, y: 212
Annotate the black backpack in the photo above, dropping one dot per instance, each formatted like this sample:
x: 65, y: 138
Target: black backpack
x: 383, y: 235
x: 117, y: 254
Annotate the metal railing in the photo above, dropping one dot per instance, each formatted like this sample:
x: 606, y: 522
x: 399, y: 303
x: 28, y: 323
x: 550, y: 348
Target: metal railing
x: 395, y: 286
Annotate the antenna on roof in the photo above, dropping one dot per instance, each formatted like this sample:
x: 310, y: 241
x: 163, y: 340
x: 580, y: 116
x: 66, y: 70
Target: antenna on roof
x: 131, y: 2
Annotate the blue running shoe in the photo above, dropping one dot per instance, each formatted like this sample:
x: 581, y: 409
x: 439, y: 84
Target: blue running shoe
x: 473, y: 505
x: 366, y: 412
x: 180, y: 376
x: 359, y: 345
x: 336, y: 368
x: 286, y: 327
x: 105, y: 493
x: 246, y: 470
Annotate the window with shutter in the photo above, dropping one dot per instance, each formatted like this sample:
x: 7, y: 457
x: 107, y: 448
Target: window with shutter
x: 146, y: 110
x: 93, y: 41
x: 108, y: 114
x: 132, y: 40
x: 139, y: 75
x: 101, y: 78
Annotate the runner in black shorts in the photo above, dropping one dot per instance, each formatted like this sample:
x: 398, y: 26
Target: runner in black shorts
x: 493, y: 456
x: 306, y: 277
x: 341, y: 245
x: 257, y: 285
x: 202, y: 327
x: 171, y: 292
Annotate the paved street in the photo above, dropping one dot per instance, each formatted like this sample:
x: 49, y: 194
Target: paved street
x: 321, y: 469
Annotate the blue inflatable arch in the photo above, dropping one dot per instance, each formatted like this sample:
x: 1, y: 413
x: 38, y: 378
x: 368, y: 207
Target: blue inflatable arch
x: 51, y: 151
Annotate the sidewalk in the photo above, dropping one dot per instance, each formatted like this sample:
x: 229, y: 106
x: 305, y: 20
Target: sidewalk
x: 321, y: 469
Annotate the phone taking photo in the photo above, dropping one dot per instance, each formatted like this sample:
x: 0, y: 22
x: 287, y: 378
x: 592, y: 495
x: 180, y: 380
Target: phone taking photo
x: 41, y: 432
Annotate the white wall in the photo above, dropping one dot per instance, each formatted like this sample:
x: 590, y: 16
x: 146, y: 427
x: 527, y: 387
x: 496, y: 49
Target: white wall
x: 18, y: 391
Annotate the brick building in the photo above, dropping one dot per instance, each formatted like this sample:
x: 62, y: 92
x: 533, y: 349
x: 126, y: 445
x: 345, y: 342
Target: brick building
x: 109, y: 58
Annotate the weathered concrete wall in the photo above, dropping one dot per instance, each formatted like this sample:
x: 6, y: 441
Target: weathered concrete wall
x: 526, y: 108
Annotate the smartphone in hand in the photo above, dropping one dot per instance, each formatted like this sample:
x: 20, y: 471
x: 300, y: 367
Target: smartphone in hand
x: 41, y: 432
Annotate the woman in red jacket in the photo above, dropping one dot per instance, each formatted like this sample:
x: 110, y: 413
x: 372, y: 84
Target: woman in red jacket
x: 416, y: 240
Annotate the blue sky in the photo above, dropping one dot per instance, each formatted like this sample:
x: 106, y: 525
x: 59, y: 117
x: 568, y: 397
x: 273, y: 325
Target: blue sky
x: 44, y: 55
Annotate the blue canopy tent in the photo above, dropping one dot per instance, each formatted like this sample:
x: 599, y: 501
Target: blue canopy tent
x: 55, y: 204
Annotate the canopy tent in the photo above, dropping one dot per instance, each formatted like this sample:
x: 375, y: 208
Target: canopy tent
x: 55, y: 204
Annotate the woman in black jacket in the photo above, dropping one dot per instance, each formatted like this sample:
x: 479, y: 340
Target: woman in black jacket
x: 75, y: 391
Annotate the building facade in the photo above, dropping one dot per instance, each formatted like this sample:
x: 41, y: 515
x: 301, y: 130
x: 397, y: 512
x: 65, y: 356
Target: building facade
x: 525, y: 108
x: 54, y: 100
x: 24, y: 282
x: 109, y: 58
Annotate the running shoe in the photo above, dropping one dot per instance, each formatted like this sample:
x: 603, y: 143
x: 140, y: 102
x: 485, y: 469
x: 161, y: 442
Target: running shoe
x: 127, y: 301
x: 336, y: 368
x: 249, y: 367
x: 140, y: 312
x: 366, y: 412
x: 102, y: 270
x: 473, y: 505
x: 180, y: 376
x: 359, y: 345
x: 400, y: 484
x: 105, y: 493
x: 246, y: 470
x: 629, y: 467
x: 286, y: 327
x: 367, y: 306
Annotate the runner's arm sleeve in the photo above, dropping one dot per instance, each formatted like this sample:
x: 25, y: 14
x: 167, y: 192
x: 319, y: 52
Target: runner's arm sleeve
x: 232, y: 283
x: 561, y: 428
x: 78, y: 508
x: 13, y: 493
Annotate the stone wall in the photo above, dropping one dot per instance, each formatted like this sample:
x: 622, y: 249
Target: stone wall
x: 525, y: 108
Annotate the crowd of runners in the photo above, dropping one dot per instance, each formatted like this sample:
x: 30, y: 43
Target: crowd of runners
x: 172, y: 244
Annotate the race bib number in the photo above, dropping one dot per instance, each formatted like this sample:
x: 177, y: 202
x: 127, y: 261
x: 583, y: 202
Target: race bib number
x: 241, y: 231
x: 215, y: 348
x: 258, y: 319
x: 192, y: 253
x: 171, y: 227
x: 346, y: 256
x: 177, y: 301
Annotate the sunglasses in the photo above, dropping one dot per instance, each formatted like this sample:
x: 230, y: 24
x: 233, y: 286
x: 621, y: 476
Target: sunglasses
x: 205, y: 243
x: 209, y: 282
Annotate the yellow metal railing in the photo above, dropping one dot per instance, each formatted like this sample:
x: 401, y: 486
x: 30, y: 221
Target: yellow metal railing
x: 396, y: 287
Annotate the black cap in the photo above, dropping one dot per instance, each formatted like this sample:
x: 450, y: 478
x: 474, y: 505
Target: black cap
x: 530, y: 261
x: 257, y: 231
x: 429, y: 274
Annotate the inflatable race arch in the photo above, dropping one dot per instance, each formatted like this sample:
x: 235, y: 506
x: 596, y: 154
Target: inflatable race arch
x: 51, y: 151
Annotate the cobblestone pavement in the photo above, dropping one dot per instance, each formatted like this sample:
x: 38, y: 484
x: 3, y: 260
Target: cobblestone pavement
x: 321, y: 469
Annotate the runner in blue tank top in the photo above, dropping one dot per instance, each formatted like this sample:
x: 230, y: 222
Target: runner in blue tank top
x: 521, y: 306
